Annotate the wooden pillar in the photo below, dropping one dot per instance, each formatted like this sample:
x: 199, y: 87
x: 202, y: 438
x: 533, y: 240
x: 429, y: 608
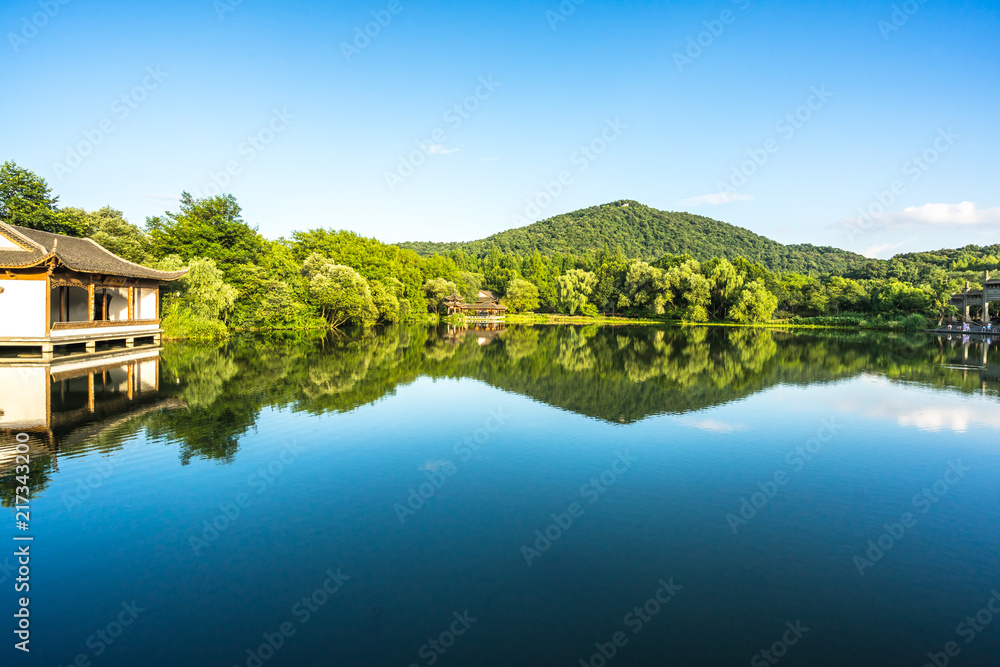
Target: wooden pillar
x: 48, y: 304
x: 131, y: 381
x: 90, y: 302
x: 62, y: 303
x: 986, y: 303
x: 90, y: 392
x: 131, y: 304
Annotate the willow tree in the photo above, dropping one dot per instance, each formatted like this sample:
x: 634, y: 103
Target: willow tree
x: 574, y: 287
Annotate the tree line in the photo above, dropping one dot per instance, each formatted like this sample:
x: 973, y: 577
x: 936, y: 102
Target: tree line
x: 237, y: 279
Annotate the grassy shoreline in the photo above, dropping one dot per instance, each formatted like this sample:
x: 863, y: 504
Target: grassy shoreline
x: 899, y: 325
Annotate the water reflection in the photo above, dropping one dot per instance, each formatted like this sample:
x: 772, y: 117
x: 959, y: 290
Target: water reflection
x: 68, y: 404
x: 206, y: 397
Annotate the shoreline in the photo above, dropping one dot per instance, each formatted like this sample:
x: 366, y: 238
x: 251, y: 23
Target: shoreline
x: 555, y: 319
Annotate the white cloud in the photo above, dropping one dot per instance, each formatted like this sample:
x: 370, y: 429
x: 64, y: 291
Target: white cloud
x: 939, y: 412
x: 877, y: 251
x: 488, y: 159
x: 438, y: 149
x: 964, y: 213
x: 716, y: 198
x: 716, y: 426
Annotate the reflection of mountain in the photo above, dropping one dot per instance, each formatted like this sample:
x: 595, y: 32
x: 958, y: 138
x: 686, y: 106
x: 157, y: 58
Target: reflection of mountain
x: 618, y: 374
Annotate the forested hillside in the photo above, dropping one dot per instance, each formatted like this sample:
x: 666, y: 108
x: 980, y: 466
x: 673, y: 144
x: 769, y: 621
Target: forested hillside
x: 647, y: 233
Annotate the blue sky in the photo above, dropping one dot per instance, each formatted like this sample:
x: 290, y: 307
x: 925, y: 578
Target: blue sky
x: 452, y: 121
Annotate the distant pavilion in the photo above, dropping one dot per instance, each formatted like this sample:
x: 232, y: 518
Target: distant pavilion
x: 57, y: 291
x: 981, y: 298
x: 485, y: 307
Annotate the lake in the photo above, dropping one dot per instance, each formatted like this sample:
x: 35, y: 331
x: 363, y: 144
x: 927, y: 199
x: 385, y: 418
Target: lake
x: 512, y: 496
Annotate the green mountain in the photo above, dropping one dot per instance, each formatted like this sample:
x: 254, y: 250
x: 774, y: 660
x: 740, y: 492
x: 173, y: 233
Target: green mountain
x: 648, y: 233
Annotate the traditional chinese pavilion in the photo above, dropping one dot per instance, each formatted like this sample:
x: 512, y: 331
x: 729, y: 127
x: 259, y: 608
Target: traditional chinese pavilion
x: 969, y: 299
x: 485, y: 307
x: 59, y: 290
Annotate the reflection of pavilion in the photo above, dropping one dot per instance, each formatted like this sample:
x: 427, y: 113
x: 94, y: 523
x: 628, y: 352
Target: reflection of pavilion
x: 972, y: 354
x: 62, y: 402
x: 485, y: 332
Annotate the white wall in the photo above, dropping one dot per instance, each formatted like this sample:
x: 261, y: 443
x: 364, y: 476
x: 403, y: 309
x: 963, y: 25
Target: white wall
x: 118, y: 304
x: 22, y: 308
x: 146, y: 304
x: 23, y: 393
x: 7, y: 244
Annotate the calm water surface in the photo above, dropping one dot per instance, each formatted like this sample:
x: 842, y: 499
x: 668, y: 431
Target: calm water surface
x: 532, y: 496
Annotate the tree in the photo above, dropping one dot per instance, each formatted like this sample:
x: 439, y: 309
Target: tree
x: 205, y: 300
x: 691, y: 289
x: 208, y: 295
x: 755, y: 304
x: 27, y: 201
x: 499, y: 269
x: 726, y: 284
x: 210, y: 227
x: 436, y: 290
x: 110, y: 229
x: 373, y: 259
x: 574, y: 287
x: 539, y: 271
x: 610, y: 277
x: 522, y: 296
x: 469, y: 284
x: 645, y: 287
x: 339, y: 292
x: 386, y: 303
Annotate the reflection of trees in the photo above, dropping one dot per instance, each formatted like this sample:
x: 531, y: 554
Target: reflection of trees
x: 619, y: 374
x: 575, y: 352
x: 520, y: 342
x: 41, y: 463
x: 222, y: 387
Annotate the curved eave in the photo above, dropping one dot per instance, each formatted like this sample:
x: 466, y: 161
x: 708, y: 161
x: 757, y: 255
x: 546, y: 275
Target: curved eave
x: 30, y: 264
x: 142, y: 274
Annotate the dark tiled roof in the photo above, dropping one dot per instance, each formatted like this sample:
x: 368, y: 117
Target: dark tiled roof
x: 81, y: 255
